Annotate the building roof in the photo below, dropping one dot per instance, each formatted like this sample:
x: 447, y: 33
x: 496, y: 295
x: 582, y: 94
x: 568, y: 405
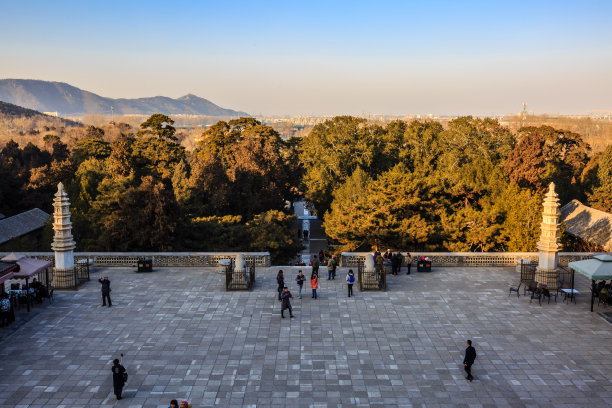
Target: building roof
x: 21, y: 224
x: 589, y: 224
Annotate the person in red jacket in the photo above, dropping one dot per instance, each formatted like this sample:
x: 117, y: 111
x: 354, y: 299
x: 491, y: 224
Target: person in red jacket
x: 314, y: 284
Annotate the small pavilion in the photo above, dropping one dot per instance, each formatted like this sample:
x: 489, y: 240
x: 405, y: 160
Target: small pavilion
x: 28, y: 268
x: 597, y: 268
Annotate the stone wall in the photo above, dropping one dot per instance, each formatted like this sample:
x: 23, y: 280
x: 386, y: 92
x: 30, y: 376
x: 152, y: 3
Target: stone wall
x: 352, y: 259
x: 178, y: 259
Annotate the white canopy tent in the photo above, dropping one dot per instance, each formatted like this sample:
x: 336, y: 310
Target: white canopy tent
x: 28, y: 267
x: 597, y: 268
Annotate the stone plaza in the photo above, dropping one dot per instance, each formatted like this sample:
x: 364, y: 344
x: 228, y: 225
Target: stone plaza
x: 184, y: 336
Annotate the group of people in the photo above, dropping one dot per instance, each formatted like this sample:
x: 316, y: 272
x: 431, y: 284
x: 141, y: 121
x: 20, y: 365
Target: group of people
x: 184, y: 404
x: 36, y: 289
x: 395, y: 258
x: 285, y: 296
x: 604, y: 291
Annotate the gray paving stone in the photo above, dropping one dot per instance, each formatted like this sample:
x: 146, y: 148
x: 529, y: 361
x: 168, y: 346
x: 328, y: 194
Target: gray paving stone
x: 183, y: 336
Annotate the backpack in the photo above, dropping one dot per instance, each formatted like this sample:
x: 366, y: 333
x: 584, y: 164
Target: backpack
x: 125, y: 376
x: 351, y: 279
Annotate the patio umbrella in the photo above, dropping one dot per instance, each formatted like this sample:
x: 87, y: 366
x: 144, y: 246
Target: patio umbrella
x: 597, y: 268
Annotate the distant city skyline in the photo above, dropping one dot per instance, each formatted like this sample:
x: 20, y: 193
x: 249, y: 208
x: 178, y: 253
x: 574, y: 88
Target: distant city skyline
x: 323, y: 58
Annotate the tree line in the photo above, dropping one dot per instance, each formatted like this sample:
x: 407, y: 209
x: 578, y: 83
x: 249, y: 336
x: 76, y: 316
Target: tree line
x: 470, y: 186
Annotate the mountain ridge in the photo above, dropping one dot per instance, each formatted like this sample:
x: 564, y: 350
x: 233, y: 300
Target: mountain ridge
x: 11, y: 110
x: 68, y: 100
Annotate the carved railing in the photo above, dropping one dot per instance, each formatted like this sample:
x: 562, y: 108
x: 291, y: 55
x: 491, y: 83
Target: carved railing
x: 353, y: 259
x: 239, y: 280
x: 160, y: 259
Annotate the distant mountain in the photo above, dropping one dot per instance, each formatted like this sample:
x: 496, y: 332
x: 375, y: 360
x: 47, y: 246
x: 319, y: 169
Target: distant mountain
x: 66, y: 99
x: 8, y: 109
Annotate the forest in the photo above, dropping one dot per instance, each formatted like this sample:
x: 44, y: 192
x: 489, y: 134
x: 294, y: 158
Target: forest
x: 472, y: 185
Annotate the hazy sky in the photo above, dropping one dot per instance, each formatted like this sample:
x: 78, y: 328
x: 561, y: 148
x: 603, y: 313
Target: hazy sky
x: 329, y: 57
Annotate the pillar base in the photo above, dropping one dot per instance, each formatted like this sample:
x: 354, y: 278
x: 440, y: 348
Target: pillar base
x: 64, y: 278
x: 549, y: 277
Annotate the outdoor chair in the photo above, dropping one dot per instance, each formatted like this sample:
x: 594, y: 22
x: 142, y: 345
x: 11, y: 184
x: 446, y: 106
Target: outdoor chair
x: 548, y: 293
x: 531, y: 287
x: 515, y: 289
x: 536, y: 293
x: 48, y: 295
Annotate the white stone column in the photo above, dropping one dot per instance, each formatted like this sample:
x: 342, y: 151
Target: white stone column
x: 239, y: 278
x: 549, y: 245
x: 63, y: 245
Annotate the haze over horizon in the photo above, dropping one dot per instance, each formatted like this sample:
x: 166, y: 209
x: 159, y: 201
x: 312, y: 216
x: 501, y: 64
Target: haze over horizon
x: 275, y: 58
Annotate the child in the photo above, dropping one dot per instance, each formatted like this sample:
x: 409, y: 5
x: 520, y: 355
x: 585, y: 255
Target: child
x: 300, y: 281
x: 350, y: 279
x: 286, y: 304
x: 314, y: 284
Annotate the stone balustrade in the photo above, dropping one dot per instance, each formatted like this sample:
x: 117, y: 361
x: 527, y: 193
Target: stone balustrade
x: 159, y: 259
x: 352, y: 259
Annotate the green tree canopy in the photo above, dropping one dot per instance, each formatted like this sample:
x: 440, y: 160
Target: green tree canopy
x: 159, y: 126
x: 332, y: 152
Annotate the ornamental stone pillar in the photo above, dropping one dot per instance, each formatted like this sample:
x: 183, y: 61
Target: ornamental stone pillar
x: 369, y: 273
x: 240, y: 271
x: 547, y: 272
x: 63, y: 245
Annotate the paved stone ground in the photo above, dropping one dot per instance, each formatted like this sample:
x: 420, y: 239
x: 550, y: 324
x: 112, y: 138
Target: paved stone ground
x: 183, y: 336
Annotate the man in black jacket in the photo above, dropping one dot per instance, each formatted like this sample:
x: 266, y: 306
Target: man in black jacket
x: 118, y: 379
x: 470, y: 356
x: 286, y: 303
x: 105, y: 291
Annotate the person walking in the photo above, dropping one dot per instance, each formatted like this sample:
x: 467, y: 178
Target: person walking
x: 300, y: 282
x: 394, y: 264
x: 118, y: 378
x: 286, y: 303
x: 380, y: 265
x: 335, y: 266
x: 5, y: 310
x: 280, y: 280
x: 408, y: 262
x: 470, y: 356
x: 350, y: 279
x: 331, y: 268
x: 376, y: 253
x: 314, y: 284
x: 106, y: 290
x: 315, y: 264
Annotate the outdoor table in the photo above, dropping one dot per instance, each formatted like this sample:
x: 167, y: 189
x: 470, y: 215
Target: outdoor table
x: 19, y: 291
x: 15, y: 293
x: 571, y: 293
